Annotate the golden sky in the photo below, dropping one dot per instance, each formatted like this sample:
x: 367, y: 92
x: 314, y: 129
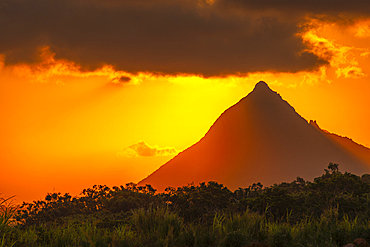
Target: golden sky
x: 104, y: 92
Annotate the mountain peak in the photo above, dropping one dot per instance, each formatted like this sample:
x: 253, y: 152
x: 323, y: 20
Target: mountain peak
x: 262, y: 90
x: 261, y: 86
x: 264, y: 94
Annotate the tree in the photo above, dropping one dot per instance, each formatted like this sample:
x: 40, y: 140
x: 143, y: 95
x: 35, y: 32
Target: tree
x: 199, y: 203
x: 332, y: 168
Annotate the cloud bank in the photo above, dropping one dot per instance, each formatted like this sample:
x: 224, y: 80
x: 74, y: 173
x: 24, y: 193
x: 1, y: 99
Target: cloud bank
x: 167, y: 37
x: 142, y: 149
x: 202, y: 37
x: 317, y: 7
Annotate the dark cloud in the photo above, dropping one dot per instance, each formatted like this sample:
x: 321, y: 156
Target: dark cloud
x: 317, y: 7
x: 158, y: 35
x: 121, y: 80
x: 124, y: 79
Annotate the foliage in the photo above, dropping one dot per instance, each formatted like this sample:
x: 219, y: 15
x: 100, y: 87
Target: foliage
x: 157, y: 226
x: 332, y: 210
x: 199, y: 203
x: 99, y: 201
x: 7, y: 213
x: 300, y: 199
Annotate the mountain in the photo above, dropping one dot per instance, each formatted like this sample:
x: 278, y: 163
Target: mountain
x: 260, y: 139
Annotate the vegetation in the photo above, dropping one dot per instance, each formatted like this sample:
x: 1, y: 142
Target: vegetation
x: 330, y: 211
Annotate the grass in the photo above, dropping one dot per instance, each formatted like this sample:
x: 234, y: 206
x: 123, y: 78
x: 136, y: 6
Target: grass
x: 7, y: 214
x: 159, y: 226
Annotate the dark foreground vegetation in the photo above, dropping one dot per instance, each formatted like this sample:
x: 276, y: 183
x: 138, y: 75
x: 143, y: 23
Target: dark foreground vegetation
x: 333, y: 210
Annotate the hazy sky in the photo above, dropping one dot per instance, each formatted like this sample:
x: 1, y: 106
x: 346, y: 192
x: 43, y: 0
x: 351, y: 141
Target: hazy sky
x: 104, y: 92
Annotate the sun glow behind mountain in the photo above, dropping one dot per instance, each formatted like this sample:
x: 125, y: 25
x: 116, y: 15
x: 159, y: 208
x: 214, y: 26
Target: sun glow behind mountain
x: 260, y: 139
x: 76, y: 89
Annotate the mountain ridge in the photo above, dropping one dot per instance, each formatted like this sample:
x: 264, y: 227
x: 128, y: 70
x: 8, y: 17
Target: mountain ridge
x: 259, y: 139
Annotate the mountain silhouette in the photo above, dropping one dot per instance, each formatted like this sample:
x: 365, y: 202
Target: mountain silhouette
x: 260, y: 139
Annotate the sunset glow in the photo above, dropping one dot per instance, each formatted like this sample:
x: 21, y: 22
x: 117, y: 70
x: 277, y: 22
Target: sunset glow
x: 78, y: 109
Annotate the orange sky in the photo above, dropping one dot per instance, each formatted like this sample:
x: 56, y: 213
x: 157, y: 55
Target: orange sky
x: 69, y: 121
